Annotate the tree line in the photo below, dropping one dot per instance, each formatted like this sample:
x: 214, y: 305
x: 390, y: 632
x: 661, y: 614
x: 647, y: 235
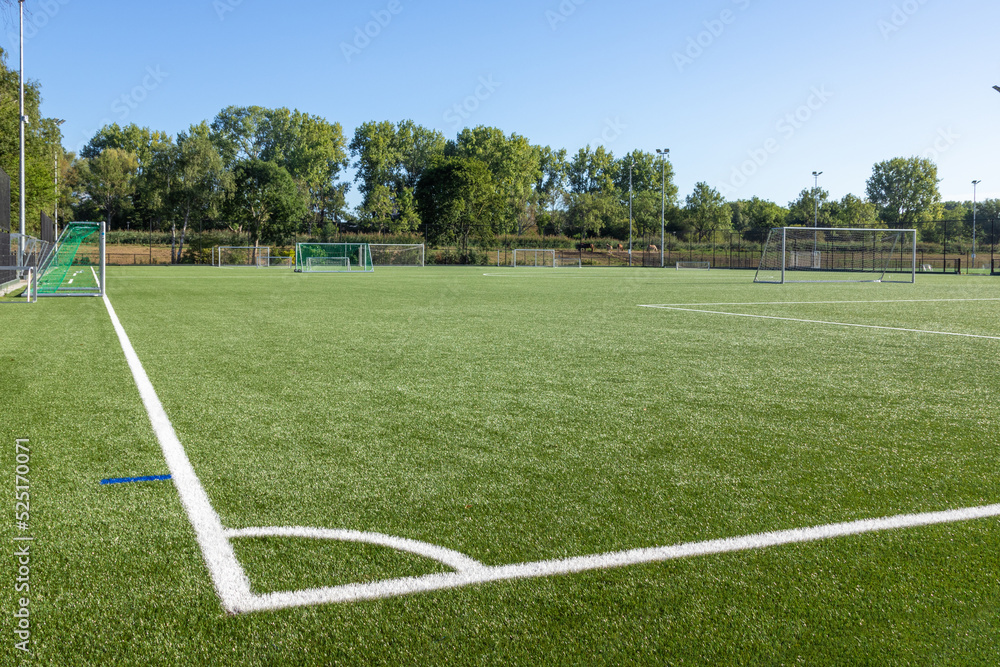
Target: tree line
x: 268, y: 174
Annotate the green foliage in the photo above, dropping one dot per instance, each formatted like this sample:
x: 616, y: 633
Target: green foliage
x: 264, y: 202
x: 458, y: 198
x: 905, y: 191
x: 706, y: 211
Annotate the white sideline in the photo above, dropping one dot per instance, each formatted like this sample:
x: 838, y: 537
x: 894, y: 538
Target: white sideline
x: 836, y: 324
x: 233, y: 586
x: 231, y: 583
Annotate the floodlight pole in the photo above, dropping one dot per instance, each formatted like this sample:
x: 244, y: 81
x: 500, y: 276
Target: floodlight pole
x: 21, y: 122
x: 55, y: 178
x: 974, y: 184
x: 631, y: 162
x: 663, y: 197
x: 816, y: 175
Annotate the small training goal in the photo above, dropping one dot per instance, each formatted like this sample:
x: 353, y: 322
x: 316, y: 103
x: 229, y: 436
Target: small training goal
x: 838, y: 255
x: 232, y: 256
x: 397, y: 254
x: 534, y: 257
x: 704, y: 266
x: 333, y: 258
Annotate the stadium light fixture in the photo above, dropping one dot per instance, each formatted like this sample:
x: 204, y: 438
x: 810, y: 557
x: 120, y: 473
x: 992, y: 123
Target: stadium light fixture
x: 663, y: 153
x: 996, y: 88
x: 974, y: 184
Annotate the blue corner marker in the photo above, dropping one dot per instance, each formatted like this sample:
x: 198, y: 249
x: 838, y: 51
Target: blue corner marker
x: 128, y: 480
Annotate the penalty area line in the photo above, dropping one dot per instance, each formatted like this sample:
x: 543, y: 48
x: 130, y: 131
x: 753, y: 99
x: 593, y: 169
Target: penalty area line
x: 828, y: 323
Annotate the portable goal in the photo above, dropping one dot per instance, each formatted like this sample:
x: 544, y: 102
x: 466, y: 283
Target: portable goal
x: 534, y: 257
x: 704, y: 266
x: 397, y: 254
x: 75, y: 265
x: 333, y: 258
x: 232, y: 256
x: 837, y: 255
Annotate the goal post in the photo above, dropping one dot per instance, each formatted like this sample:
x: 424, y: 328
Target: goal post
x: 703, y: 266
x: 232, y: 256
x: 333, y: 258
x: 837, y: 255
x: 545, y: 257
x: 76, y: 264
x: 397, y: 254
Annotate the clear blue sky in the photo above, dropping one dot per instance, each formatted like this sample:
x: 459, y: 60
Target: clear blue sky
x: 751, y: 96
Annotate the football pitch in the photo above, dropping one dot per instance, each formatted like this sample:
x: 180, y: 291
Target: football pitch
x: 505, y: 466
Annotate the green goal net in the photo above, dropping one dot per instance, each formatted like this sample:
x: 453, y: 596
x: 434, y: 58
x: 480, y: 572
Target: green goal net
x: 333, y: 258
x: 75, y: 267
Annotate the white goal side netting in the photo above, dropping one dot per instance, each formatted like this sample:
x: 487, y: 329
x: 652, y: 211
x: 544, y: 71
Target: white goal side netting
x: 831, y: 254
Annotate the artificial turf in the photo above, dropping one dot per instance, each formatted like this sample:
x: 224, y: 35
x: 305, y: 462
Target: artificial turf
x: 522, y: 415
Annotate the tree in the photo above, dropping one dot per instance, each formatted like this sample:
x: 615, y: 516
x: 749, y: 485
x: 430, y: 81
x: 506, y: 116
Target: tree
x: 264, y: 202
x: 758, y: 217
x: 589, y: 213
x: 42, y: 140
x: 592, y: 171
x: 457, y: 199
x: 514, y: 163
x: 201, y: 181
x: 904, y: 190
x: 109, y: 179
x: 809, y: 210
x: 852, y: 211
x: 706, y: 211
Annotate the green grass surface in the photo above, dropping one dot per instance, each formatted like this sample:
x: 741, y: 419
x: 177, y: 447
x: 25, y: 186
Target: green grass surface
x: 523, y: 415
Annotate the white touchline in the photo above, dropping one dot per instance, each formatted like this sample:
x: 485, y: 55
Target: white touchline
x: 835, y: 324
x: 233, y: 586
x: 810, y: 303
x: 231, y: 583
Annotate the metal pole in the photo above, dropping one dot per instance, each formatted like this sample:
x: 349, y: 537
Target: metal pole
x: 21, y: 119
x: 663, y: 198
x: 974, y: 184
x: 630, y: 210
x: 816, y: 175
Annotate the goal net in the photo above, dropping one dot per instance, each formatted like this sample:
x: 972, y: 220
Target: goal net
x: 694, y: 265
x: 231, y: 256
x: 397, y: 254
x: 569, y: 261
x: 832, y: 255
x: 75, y: 266
x: 333, y: 258
x: 534, y: 257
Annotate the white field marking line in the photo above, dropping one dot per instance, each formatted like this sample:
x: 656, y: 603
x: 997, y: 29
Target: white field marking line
x: 231, y: 582
x: 453, y: 559
x: 404, y: 586
x: 807, y: 303
x: 836, y: 324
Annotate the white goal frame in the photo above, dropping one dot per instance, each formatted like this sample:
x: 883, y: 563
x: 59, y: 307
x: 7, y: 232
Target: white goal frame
x: 263, y: 260
x: 535, y: 255
x: 838, y: 255
x: 699, y: 266
x: 378, y: 251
